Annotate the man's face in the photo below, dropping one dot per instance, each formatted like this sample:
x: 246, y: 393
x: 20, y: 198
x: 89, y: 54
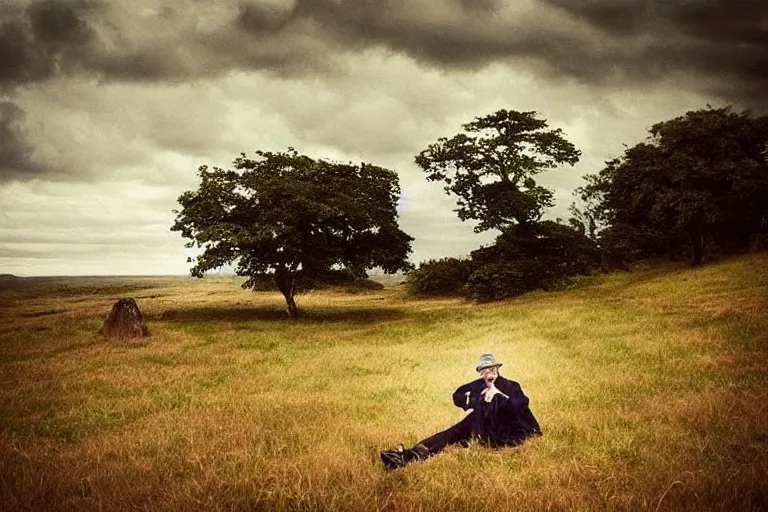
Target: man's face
x: 489, y: 375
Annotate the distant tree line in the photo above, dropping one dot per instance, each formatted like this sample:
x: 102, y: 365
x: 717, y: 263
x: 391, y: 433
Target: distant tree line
x: 697, y: 184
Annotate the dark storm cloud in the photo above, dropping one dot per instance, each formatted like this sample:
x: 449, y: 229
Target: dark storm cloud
x: 478, y: 5
x: 15, y: 151
x: 620, y: 18
x: 49, y: 38
x: 52, y: 37
x: 41, y: 40
x: 260, y: 18
x: 723, y: 41
x: 456, y: 33
x: 59, y: 25
x: 722, y: 45
x: 604, y: 42
x: 709, y: 20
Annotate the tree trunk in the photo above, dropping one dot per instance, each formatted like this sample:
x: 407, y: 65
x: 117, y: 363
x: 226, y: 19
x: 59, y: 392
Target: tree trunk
x: 287, y: 286
x: 697, y: 249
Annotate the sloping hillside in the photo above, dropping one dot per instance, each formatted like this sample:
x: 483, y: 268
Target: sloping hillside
x: 651, y: 388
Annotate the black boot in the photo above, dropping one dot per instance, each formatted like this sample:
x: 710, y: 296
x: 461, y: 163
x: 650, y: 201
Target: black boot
x: 396, y: 458
x: 400, y: 456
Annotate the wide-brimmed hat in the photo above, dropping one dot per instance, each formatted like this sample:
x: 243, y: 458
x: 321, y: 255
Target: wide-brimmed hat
x: 487, y: 361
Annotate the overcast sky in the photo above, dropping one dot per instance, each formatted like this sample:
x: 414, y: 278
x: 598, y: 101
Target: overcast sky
x: 107, y: 107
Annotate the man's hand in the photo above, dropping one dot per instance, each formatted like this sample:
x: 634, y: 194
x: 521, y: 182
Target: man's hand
x: 491, y: 391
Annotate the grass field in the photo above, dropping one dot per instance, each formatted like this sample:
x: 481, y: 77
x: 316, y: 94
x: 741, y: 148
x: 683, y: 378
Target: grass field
x: 651, y: 388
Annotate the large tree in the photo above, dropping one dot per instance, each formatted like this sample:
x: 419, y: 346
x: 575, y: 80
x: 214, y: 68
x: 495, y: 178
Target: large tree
x: 490, y: 167
x: 699, y: 177
x: 289, y: 216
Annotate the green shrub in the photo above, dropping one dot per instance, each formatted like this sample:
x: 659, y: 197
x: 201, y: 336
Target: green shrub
x: 529, y: 257
x: 446, y: 276
x: 497, y: 281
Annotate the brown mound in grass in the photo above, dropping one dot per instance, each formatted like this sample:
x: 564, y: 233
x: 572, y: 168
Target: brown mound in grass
x: 125, y: 321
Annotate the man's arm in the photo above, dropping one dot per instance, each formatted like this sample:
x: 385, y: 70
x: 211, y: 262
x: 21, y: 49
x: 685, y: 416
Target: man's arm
x: 468, y: 396
x: 517, y: 406
x: 516, y: 399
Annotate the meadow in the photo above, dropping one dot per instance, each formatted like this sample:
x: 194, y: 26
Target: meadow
x: 651, y: 388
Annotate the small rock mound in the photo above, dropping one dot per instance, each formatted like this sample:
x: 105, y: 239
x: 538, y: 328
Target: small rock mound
x: 124, y: 321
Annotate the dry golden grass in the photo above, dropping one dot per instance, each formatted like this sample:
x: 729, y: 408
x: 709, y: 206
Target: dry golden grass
x: 650, y: 387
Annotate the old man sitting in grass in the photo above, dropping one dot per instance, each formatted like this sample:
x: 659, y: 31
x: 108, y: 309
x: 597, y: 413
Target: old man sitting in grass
x: 500, y: 417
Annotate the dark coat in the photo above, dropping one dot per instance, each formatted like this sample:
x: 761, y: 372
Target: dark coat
x: 505, y: 421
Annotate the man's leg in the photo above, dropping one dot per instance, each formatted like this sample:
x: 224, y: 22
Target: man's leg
x: 462, y: 431
x: 399, y: 457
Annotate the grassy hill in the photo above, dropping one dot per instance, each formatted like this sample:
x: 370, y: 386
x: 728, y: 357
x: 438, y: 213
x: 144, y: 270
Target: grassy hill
x: 651, y: 388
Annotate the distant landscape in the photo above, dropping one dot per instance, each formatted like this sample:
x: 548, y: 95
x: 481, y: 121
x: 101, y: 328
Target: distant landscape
x: 346, y: 206
x: 650, y: 387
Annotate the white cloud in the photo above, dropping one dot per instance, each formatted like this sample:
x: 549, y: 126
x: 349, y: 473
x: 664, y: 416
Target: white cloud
x: 88, y: 229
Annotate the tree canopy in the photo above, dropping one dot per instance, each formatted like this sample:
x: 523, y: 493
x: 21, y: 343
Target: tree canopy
x: 291, y: 216
x: 701, y: 177
x: 490, y: 166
